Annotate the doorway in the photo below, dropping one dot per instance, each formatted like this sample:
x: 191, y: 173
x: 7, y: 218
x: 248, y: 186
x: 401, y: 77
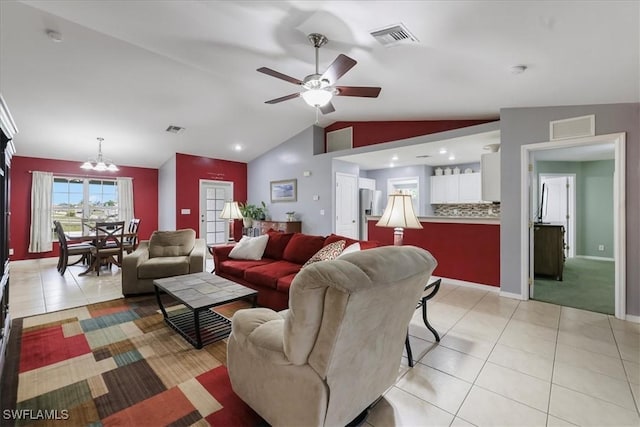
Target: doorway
x: 530, y: 209
x: 213, y: 194
x: 559, y: 205
x: 346, y: 205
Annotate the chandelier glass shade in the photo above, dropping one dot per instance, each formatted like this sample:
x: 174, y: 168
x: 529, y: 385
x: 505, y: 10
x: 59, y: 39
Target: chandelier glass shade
x: 100, y: 164
x: 317, y: 97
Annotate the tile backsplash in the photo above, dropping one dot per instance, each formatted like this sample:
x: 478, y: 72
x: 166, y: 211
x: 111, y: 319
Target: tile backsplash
x: 480, y: 210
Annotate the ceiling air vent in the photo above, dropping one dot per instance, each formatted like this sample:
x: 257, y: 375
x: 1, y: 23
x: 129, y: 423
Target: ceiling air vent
x: 423, y: 156
x: 394, y: 35
x: 175, y: 129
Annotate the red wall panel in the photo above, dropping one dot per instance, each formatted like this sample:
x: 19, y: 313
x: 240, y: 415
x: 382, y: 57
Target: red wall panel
x: 369, y: 133
x: 469, y: 252
x: 190, y: 170
x: 145, y: 198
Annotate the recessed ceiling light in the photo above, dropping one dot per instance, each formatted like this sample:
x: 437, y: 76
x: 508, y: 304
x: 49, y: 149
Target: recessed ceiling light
x: 237, y: 147
x: 518, y: 69
x: 443, y: 151
x: 391, y: 165
x: 395, y: 157
x: 452, y: 157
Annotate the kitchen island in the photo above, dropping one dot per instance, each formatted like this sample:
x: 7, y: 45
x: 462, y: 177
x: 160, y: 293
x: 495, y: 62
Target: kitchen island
x: 466, y: 248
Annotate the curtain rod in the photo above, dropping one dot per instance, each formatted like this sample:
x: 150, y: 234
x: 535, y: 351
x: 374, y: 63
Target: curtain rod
x: 85, y: 176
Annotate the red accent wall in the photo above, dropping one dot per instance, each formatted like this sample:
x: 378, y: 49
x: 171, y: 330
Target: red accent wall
x: 469, y: 252
x: 370, y: 133
x: 145, y: 198
x: 190, y: 170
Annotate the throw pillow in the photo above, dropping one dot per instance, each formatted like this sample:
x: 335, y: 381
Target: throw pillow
x: 329, y: 252
x: 250, y: 247
x: 350, y: 249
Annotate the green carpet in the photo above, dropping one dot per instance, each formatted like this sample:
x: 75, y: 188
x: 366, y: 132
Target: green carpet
x: 586, y: 284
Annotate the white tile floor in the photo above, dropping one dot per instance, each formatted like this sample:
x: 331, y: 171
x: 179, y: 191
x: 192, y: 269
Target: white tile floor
x: 500, y: 362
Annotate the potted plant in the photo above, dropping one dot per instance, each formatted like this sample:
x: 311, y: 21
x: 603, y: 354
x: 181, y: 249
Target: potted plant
x: 251, y: 212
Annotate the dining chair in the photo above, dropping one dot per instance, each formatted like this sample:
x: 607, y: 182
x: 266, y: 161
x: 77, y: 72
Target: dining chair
x: 131, y: 240
x: 107, y: 245
x: 70, y: 249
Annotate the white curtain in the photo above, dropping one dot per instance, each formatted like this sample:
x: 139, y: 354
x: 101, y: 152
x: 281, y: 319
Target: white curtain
x: 125, y: 200
x: 41, y: 215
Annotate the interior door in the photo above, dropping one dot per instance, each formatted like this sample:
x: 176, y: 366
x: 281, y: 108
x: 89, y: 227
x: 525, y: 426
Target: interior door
x: 213, y: 194
x: 347, y: 205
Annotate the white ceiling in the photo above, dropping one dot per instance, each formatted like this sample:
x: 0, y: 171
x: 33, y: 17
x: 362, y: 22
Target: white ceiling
x: 126, y: 70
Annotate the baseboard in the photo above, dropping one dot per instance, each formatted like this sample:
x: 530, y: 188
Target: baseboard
x: 632, y: 318
x: 596, y: 258
x: 511, y: 295
x: 458, y: 282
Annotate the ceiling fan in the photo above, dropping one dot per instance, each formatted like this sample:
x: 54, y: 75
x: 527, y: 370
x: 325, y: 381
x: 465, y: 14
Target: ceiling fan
x: 319, y: 89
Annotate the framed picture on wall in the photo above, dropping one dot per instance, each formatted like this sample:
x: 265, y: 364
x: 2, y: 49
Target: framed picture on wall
x: 284, y: 191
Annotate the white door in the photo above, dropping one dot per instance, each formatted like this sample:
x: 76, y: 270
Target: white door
x: 213, y: 194
x: 347, y: 205
x: 558, y: 208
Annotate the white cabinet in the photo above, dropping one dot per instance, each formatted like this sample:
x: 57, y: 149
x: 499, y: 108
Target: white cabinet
x: 470, y: 188
x: 367, y: 183
x: 457, y: 188
x: 491, y: 177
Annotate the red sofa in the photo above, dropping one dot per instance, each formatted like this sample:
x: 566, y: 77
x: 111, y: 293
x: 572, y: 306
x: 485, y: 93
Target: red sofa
x: 283, y: 257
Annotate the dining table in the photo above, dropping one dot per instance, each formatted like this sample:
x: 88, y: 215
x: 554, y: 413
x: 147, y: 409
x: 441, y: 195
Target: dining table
x: 80, y: 236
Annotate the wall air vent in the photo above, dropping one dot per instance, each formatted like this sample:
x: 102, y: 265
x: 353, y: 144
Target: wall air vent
x: 341, y: 139
x: 175, y: 129
x: 394, y: 35
x: 575, y: 127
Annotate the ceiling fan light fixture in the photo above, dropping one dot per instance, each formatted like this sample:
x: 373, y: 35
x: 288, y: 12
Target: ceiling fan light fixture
x: 317, y: 97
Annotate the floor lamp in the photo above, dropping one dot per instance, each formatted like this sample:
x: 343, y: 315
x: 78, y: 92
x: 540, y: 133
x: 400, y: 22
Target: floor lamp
x: 231, y: 211
x: 399, y: 215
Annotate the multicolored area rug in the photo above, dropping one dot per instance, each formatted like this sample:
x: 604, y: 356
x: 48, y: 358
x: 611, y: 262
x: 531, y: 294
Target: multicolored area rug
x: 117, y: 364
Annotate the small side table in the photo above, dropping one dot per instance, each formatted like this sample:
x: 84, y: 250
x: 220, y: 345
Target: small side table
x: 433, y: 286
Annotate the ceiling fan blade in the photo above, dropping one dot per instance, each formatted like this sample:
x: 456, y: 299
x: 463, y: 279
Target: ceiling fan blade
x: 338, y: 68
x: 277, y: 75
x: 364, y: 91
x: 282, y: 98
x: 327, y: 108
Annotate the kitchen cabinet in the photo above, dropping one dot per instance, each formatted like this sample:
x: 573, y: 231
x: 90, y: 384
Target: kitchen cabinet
x: 456, y: 188
x: 491, y: 177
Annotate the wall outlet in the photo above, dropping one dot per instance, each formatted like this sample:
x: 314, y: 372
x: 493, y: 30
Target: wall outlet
x: 321, y: 211
x: 601, y: 248
x: 11, y: 251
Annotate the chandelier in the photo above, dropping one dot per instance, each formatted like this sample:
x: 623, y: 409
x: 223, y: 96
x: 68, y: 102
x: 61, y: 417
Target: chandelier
x: 99, y: 164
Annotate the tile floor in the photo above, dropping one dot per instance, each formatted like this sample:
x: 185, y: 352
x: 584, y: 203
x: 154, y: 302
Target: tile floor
x: 500, y: 362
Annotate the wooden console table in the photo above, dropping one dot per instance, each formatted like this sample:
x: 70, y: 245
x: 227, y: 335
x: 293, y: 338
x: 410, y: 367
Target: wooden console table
x: 282, y: 226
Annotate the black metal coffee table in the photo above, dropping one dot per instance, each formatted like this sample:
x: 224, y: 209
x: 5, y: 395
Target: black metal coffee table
x: 200, y: 292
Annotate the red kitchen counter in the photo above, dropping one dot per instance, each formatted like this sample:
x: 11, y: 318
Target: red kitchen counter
x: 466, y: 249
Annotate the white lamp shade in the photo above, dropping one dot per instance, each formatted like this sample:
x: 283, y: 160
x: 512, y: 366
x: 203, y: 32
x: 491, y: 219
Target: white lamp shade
x: 230, y: 210
x: 317, y: 97
x: 399, y: 213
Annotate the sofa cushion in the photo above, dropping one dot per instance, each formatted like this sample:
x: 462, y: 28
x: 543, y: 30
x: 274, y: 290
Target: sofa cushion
x: 276, y: 244
x: 268, y: 274
x: 250, y: 247
x: 160, y: 267
x: 301, y: 247
x: 364, y: 244
x: 171, y: 243
x: 238, y: 267
x: 284, y: 283
x: 327, y: 253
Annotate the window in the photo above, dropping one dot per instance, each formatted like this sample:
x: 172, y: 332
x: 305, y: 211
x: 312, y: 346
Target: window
x: 78, y: 199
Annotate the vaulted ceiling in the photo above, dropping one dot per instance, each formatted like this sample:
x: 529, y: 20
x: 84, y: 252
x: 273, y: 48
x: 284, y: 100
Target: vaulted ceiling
x: 126, y: 70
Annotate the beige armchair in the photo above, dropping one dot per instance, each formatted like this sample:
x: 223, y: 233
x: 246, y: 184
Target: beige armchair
x: 338, y: 347
x: 165, y: 254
